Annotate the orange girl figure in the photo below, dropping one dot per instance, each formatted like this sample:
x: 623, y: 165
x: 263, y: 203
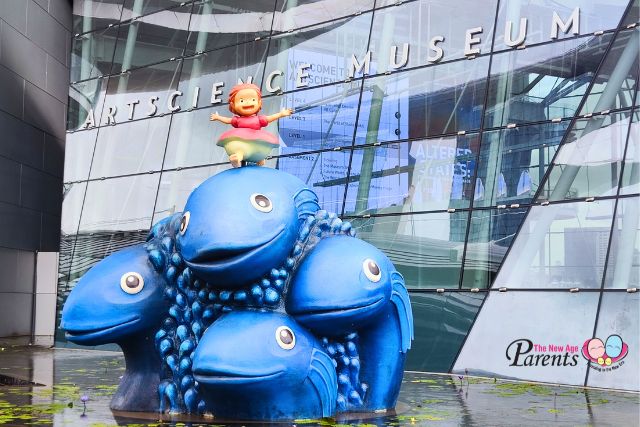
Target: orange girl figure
x: 247, y: 141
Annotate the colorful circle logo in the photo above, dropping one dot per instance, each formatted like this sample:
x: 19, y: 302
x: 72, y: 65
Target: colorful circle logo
x: 605, y: 353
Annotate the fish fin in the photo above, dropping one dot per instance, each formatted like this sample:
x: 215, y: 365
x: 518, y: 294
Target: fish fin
x: 306, y: 203
x: 400, y: 299
x: 323, y: 377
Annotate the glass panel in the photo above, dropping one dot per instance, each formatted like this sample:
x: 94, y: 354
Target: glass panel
x: 325, y: 117
x: 176, y: 186
x: 130, y: 147
x: 292, y: 14
x: 633, y: 16
x: 218, y: 23
x: 91, y: 15
x: 543, y: 82
x: 79, y: 148
x: 432, y: 174
x: 92, y: 53
x: 425, y: 248
x: 325, y: 173
x: 72, y: 198
x: 618, y: 316
x: 423, y: 102
x: 631, y: 175
x: 326, y: 48
x: 530, y: 336
x: 141, y: 93
x: 417, y: 23
x: 589, y: 161
x: 150, y: 39
x: 623, y: 265
x: 442, y: 322
x: 560, y: 246
x: 594, y: 15
x: 513, y: 162
x: 83, y: 98
x: 119, y: 204
x: 226, y: 66
x: 615, y: 84
x: 490, y: 235
x: 135, y: 8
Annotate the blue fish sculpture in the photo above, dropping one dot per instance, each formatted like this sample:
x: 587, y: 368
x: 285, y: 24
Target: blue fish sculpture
x: 347, y: 287
x: 261, y: 365
x: 120, y: 300
x: 240, y: 223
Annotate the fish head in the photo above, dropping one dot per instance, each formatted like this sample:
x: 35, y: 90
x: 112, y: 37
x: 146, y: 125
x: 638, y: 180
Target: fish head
x: 253, y: 349
x: 341, y: 283
x: 120, y: 297
x: 240, y: 223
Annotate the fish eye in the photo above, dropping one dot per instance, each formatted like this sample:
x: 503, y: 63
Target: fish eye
x: 261, y: 202
x: 184, y: 222
x: 285, y: 338
x: 371, y: 270
x: 131, y: 282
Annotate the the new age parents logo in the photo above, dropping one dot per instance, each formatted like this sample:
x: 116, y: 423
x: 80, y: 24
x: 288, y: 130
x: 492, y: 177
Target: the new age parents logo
x: 602, y: 356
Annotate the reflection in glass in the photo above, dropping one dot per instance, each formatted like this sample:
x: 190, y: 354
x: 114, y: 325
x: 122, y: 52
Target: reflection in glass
x: 633, y: 16
x: 588, y: 163
x: 623, y: 264
x: 619, y: 315
x: 292, y: 14
x: 562, y: 245
x: 442, y: 322
x: 429, y: 101
x: 417, y: 23
x: 631, y: 174
x: 92, y: 53
x: 130, y: 147
x: 615, y: 84
x: 95, y: 14
x: 425, y: 248
x: 152, y: 38
x: 119, y: 204
x: 218, y: 23
x: 326, y: 48
x: 513, y: 321
x: 85, y: 97
x: 542, y: 82
x: 176, y: 186
x: 141, y: 93
x: 324, y: 117
x: 325, y: 173
x: 192, y: 139
x: 423, y: 175
x: 72, y: 198
x: 513, y: 162
x: 78, y: 152
x: 136, y: 8
x: 219, y: 70
x: 491, y: 233
x: 595, y: 15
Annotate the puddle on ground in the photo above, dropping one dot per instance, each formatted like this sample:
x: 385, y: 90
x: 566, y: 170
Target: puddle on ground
x: 41, y: 387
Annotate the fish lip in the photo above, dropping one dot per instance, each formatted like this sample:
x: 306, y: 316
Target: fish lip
x: 338, y: 309
x: 205, y: 260
x: 222, y: 378
x: 75, y: 334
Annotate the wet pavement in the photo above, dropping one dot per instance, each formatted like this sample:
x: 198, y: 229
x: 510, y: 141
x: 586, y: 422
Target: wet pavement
x: 46, y: 386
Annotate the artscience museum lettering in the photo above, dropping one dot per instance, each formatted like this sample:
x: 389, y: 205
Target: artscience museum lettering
x: 515, y: 34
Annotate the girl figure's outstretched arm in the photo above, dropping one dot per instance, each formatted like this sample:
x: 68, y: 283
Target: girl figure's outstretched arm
x: 283, y: 113
x: 215, y: 116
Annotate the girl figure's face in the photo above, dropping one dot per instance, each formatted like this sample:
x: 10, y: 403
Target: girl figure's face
x: 247, y: 102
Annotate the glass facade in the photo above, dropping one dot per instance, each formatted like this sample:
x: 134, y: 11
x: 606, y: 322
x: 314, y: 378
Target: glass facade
x: 481, y: 145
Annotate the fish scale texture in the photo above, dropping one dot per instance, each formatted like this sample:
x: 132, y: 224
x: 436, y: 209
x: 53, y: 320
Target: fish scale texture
x: 196, y: 304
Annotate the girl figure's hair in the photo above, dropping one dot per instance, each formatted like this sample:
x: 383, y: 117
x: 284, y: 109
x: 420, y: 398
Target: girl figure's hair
x: 237, y: 88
